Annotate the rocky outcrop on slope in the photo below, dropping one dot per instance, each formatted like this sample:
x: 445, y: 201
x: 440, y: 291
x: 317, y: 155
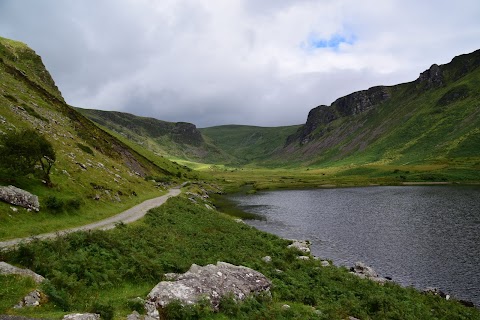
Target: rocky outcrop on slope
x: 19, y: 197
x: 6, y: 268
x: 349, y: 105
x: 431, y: 78
x: 211, y: 282
x: 363, y: 271
x: 186, y: 133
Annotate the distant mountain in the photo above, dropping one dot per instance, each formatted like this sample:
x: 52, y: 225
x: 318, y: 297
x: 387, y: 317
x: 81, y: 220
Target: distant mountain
x: 432, y: 120
x: 171, y: 139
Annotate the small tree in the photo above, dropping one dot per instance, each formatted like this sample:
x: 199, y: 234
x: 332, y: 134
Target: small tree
x: 26, y: 152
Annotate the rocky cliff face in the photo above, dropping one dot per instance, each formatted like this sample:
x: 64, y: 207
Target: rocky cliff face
x: 186, y: 133
x: 362, y: 101
x: 352, y: 104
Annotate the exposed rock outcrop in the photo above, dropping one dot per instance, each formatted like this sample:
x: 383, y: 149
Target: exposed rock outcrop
x: 6, y: 268
x: 211, y: 282
x: 363, y: 271
x: 19, y: 197
x: 351, y: 104
x: 33, y: 299
x: 302, y: 245
x: 431, y: 78
x: 187, y: 133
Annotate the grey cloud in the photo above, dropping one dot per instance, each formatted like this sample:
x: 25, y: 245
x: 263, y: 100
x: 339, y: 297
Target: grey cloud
x: 240, y: 62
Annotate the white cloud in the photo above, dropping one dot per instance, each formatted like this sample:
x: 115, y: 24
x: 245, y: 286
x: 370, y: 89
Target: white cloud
x: 238, y: 61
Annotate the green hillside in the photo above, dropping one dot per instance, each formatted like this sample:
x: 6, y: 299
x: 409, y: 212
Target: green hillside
x: 90, y: 163
x: 248, y: 144
x: 179, y: 140
x: 433, y: 120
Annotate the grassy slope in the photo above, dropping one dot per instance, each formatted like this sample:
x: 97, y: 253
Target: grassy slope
x: 155, y: 135
x: 30, y: 99
x: 105, y: 270
x: 248, y: 144
x: 416, y: 127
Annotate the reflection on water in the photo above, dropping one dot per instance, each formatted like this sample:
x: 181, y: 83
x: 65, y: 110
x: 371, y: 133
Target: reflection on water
x: 419, y: 235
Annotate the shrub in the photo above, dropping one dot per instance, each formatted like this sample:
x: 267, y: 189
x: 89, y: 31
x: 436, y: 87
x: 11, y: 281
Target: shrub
x: 85, y: 148
x: 106, y: 311
x: 73, y: 204
x: 25, y: 152
x: 54, y: 204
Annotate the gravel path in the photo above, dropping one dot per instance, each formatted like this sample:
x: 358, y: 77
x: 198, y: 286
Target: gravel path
x: 126, y: 216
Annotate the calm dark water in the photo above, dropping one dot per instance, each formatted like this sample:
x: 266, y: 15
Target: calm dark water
x: 421, y: 236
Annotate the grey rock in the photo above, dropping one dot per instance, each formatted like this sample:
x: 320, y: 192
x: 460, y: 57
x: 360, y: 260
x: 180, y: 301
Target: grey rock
x: 30, y: 300
x: 82, y: 316
x: 285, y: 307
x: 303, y: 258
x: 431, y: 78
x: 211, y: 282
x: 6, y: 268
x: 267, y: 259
x: 365, y: 272
x: 19, y: 197
x: 171, y: 276
x: 361, y: 268
x: 325, y: 263
x: 134, y: 316
x: 301, y: 245
x: 84, y: 167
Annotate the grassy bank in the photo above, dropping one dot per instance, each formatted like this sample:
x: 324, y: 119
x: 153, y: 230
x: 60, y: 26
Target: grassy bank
x: 104, y: 271
x: 342, y: 175
x: 62, y: 209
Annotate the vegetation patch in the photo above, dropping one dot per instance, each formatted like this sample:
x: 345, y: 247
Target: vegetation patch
x: 105, y: 270
x: 85, y: 148
x: 459, y: 92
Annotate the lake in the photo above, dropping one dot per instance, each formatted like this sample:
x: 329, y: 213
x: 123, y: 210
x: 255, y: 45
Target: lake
x: 421, y: 236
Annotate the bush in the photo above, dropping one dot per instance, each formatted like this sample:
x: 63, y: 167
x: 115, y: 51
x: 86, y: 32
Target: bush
x: 26, y: 152
x: 85, y: 148
x: 106, y: 311
x: 73, y: 204
x: 54, y: 204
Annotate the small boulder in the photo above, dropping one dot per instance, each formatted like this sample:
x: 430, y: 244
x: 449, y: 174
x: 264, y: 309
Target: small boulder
x: 32, y: 299
x: 19, y: 197
x: 325, y: 263
x: 303, y: 258
x: 6, y: 268
x: 211, y: 282
x: 363, y: 271
x: 267, y: 259
x: 301, y: 245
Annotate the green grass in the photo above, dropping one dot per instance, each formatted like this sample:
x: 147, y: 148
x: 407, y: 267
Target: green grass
x: 107, y: 269
x: 248, y: 144
x: 12, y: 289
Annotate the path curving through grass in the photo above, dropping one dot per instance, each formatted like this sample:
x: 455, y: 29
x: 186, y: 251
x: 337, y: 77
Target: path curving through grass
x: 127, y: 216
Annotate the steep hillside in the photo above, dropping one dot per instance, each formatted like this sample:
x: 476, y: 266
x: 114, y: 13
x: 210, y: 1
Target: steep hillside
x: 432, y: 120
x: 171, y: 139
x: 91, y: 164
x: 248, y: 144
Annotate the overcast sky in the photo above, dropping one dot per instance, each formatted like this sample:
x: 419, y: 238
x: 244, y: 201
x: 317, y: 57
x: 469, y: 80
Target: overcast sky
x: 257, y: 62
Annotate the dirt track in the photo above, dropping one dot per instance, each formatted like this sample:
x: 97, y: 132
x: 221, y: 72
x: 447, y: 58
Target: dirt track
x: 126, y: 216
